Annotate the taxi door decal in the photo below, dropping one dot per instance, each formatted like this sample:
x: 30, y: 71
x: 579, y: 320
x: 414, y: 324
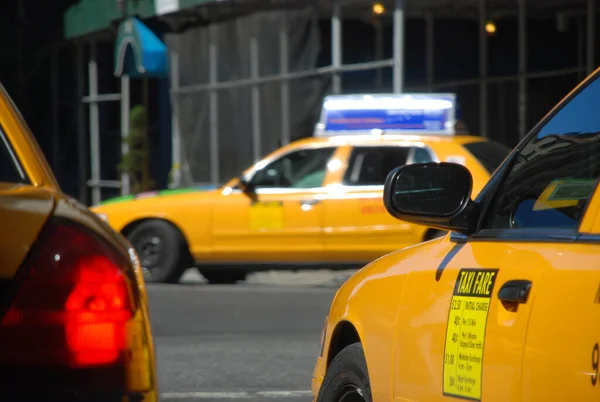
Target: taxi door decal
x: 465, y: 333
x: 266, y: 215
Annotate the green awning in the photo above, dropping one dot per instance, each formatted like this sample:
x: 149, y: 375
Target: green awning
x: 91, y: 16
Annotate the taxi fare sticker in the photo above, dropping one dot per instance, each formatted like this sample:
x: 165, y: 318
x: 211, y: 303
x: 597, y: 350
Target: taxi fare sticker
x: 266, y: 215
x: 465, y: 333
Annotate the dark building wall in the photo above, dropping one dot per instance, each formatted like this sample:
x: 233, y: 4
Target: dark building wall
x: 456, y: 57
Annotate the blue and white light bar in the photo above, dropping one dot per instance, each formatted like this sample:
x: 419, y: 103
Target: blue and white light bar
x: 387, y: 114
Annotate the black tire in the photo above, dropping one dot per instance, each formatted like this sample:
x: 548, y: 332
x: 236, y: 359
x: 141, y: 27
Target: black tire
x: 434, y: 234
x: 347, y: 379
x: 168, y: 258
x: 222, y: 277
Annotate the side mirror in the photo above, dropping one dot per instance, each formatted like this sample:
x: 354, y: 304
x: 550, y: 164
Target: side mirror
x: 245, y: 185
x: 431, y: 194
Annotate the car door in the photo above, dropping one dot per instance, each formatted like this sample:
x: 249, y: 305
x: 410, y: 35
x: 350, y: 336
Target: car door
x: 357, y: 226
x: 562, y: 353
x: 282, y: 220
x: 511, y: 312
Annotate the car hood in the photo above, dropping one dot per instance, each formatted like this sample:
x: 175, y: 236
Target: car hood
x: 157, y: 193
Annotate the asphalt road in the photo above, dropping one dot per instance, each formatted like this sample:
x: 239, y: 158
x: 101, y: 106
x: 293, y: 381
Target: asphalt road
x: 254, y: 341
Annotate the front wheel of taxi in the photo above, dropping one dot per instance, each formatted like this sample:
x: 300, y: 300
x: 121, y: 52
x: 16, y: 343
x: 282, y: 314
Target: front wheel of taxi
x: 161, y: 249
x: 347, y: 378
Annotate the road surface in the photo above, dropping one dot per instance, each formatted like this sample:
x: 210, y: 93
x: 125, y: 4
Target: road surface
x: 253, y: 341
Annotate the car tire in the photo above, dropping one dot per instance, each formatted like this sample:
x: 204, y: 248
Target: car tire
x: 162, y: 250
x: 347, y: 378
x: 224, y: 277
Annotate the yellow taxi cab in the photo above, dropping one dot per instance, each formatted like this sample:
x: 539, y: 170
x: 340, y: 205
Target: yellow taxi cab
x: 506, y: 307
x: 313, y: 203
x: 74, y: 322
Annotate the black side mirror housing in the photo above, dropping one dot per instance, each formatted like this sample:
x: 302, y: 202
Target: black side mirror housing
x: 431, y: 194
x: 245, y: 185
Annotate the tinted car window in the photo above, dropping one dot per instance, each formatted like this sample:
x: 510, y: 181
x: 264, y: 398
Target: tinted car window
x: 556, y: 173
x: 369, y: 166
x: 10, y: 170
x: 489, y: 153
x: 304, y: 168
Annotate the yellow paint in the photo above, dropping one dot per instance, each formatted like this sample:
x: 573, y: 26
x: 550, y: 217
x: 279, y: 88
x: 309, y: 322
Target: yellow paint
x: 266, y: 215
x: 344, y: 225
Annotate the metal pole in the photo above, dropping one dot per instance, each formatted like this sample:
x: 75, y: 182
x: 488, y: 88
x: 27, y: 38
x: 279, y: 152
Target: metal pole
x: 591, y: 35
x: 399, y: 46
x: 378, y: 53
x: 483, y: 64
x: 94, y: 126
x: 336, y: 46
x: 55, y: 111
x: 175, y: 131
x: 81, y: 134
x: 284, y: 86
x: 430, y: 48
x: 254, y: 73
x: 125, y: 179
x: 580, y: 49
x: 522, y: 38
x: 214, y: 107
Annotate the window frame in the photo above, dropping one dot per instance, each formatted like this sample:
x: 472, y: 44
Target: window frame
x: 25, y: 179
x: 286, y: 190
x: 484, y: 202
x: 409, y: 161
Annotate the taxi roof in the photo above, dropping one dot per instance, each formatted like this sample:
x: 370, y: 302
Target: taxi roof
x: 461, y: 138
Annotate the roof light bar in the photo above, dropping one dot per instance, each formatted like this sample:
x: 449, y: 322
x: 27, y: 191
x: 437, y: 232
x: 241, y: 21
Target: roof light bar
x: 392, y: 114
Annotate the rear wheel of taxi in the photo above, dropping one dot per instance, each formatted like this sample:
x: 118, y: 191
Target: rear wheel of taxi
x: 161, y: 249
x: 222, y: 277
x: 347, y: 378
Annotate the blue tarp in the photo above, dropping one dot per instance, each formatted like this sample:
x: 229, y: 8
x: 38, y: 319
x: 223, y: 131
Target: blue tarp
x: 139, y: 52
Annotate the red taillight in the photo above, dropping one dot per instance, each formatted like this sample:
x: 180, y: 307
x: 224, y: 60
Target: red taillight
x: 72, y: 304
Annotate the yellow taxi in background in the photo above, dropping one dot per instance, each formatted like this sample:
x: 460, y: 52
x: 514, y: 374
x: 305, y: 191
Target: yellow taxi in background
x: 506, y: 307
x: 74, y: 322
x: 314, y: 203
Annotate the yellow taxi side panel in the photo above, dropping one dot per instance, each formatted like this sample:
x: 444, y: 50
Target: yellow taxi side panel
x: 562, y: 354
x: 370, y: 300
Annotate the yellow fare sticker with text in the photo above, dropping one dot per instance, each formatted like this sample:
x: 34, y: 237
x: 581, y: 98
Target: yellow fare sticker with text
x: 266, y: 215
x: 465, y: 332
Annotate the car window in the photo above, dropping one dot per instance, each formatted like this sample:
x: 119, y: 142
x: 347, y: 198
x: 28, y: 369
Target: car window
x: 421, y: 155
x: 556, y: 172
x: 10, y: 169
x: 489, y: 153
x: 369, y: 166
x: 304, y: 168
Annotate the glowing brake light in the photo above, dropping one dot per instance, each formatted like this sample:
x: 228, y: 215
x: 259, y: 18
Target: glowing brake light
x: 72, y: 305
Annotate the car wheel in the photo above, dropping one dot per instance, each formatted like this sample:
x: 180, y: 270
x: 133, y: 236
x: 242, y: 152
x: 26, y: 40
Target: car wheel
x: 161, y: 249
x: 347, y: 378
x: 224, y: 277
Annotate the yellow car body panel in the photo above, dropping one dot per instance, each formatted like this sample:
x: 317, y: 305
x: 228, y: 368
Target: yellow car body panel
x: 347, y: 224
x: 27, y: 205
x: 433, y: 320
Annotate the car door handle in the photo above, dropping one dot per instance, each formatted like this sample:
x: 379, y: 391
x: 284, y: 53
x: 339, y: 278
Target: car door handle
x: 516, y: 291
x: 309, y: 202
